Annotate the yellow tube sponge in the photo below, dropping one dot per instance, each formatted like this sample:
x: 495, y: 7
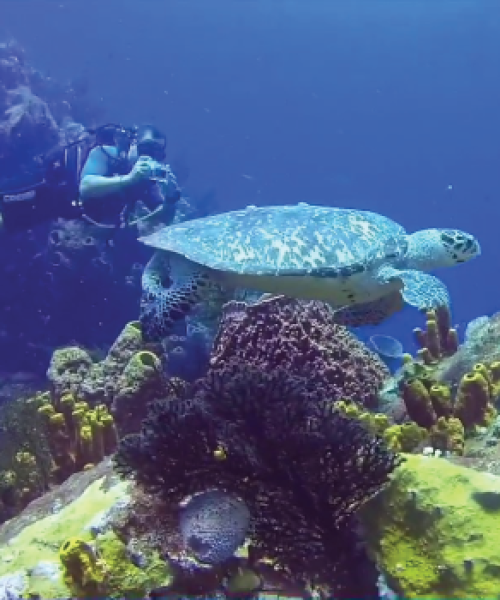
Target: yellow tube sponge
x: 109, y: 433
x: 375, y: 422
x: 452, y: 341
x: 441, y: 399
x: 127, y: 343
x: 433, y: 531
x: 432, y: 335
x: 85, y: 447
x: 448, y: 435
x: 84, y: 573
x: 494, y: 370
x: 418, y: 403
x: 141, y: 382
x: 404, y: 438
x: 439, y: 339
x: 472, y: 403
x: 482, y: 369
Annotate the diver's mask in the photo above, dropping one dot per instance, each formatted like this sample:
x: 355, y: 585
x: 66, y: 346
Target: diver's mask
x: 123, y: 139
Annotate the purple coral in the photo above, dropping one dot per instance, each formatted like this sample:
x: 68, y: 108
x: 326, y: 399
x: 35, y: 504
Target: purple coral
x: 302, y: 469
x: 301, y: 338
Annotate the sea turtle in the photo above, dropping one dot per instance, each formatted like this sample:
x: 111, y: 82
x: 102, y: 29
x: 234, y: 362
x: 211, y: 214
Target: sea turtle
x: 362, y: 263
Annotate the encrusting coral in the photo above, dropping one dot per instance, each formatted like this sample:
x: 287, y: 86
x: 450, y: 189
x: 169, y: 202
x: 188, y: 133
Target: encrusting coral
x: 433, y: 531
x: 301, y: 467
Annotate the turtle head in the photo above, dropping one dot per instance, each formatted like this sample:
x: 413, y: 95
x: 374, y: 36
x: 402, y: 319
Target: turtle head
x: 433, y: 248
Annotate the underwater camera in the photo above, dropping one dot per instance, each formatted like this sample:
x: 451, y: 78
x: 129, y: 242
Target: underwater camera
x: 159, y: 172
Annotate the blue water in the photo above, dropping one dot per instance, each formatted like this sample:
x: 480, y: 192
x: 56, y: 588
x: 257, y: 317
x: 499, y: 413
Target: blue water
x: 390, y: 105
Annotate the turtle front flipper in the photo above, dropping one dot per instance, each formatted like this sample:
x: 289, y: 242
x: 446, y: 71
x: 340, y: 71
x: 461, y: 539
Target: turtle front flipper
x: 421, y: 290
x: 424, y: 291
x: 369, y: 313
x: 161, y: 306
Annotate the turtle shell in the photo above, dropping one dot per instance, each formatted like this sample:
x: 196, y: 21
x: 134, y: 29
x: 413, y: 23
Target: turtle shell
x: 285, y: 240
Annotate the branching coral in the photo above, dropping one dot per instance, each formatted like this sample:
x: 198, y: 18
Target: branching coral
x: 302, y: 338
x: 301, y: 467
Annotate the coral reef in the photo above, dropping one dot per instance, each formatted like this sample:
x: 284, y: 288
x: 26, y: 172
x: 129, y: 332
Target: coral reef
x: 437, y: 408
x: 436, y: 392
x: 79, y: 437
x: 433, y: 530
x: 49, y: 436
x: 301, y: 338
x: 45, y: 440
x: 126, y: 380
x: 63, y: 545
x: 301, y: 467
x: 481, y: 345
x: 405, y: 437
x: 25, y: 459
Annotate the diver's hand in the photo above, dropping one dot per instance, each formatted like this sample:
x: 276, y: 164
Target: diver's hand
x: 140, y: 171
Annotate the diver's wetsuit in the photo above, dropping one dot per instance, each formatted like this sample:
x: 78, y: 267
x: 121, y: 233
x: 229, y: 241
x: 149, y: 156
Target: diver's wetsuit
x: 54, y: 194
x: 105, y: 161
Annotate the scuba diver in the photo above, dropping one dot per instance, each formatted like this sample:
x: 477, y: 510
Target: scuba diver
x: 99, y: 178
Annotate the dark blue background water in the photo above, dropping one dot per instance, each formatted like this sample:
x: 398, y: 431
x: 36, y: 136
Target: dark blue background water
x: 372, y: 104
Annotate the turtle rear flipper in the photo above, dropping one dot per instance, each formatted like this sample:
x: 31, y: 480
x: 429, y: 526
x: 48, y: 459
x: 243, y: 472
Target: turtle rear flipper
x: 162, y: 307
x: 370, y: 313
